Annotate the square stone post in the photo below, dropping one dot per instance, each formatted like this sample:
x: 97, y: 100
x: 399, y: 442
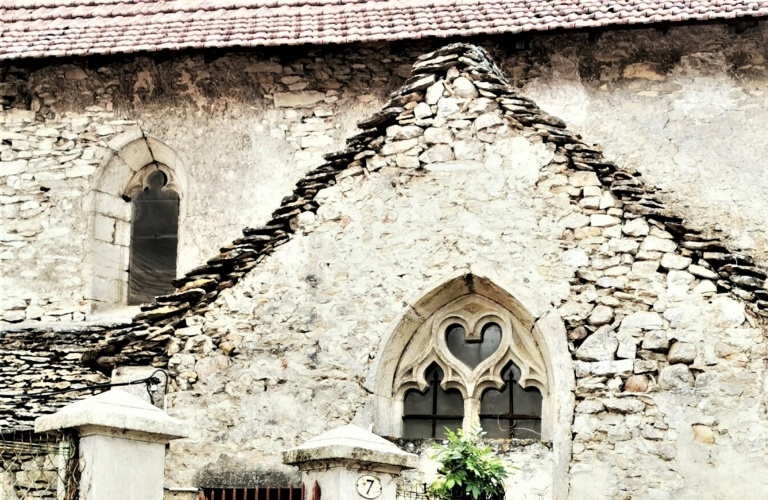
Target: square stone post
x: 122, y: 444
x: 350, y: 463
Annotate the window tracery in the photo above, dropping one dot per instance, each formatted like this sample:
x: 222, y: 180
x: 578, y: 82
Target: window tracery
x: 472, y: 347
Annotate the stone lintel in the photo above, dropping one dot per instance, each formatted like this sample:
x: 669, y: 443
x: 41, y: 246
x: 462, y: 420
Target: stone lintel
x: 350, y: 447
x: 115, y: 413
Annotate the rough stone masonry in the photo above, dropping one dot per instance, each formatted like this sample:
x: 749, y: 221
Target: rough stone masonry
x: 462, y: 172
x: 459, y: 172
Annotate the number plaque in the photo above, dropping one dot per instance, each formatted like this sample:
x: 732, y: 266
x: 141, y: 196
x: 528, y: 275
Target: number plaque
x: 369, y: 486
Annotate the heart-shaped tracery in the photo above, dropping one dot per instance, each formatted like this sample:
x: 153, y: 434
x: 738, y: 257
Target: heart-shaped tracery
x: 473, y: 352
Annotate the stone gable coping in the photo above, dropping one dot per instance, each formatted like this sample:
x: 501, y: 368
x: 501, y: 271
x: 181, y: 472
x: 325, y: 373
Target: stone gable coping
x: 144, y: 341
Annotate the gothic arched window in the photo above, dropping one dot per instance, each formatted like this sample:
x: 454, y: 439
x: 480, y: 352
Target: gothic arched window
x: 512, y: 412
x: 468, y: 364
x: 154, y: 239
x: 428, y: 413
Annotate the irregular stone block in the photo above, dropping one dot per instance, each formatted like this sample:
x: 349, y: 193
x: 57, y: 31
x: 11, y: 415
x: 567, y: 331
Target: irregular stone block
x: 646, y: 320
x: 601, y: 315
x: 636, y: 383
x: 674, y: 261
x: 675, y: 377
x: 703, y: 434
x: 601, y: 368
x: 682, y: 352
x: 636, y: 227
x: 583, y: 178
x: 600, y: 346
x: 305, y: 99
x: 464, y: 88
x: 656, y: 340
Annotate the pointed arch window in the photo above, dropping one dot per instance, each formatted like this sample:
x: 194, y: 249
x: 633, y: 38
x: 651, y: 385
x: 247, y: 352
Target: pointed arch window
x: 154, y: 238
x: 428, y: 413
x: 513, y: 411
x: 475, y: 351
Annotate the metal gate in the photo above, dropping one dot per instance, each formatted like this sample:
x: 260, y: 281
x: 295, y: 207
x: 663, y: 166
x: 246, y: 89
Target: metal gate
x: 289, y: 492
x: 38, y: 466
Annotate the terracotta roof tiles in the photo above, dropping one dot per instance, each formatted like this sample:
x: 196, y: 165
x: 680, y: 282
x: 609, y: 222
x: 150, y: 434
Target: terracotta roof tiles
x: 40, y: 28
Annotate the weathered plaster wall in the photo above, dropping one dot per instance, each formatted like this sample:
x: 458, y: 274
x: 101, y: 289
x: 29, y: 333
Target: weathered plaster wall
x: 685, y: 107
x: 669, y: 367
x: 307, y: 324
x: 245, y: 127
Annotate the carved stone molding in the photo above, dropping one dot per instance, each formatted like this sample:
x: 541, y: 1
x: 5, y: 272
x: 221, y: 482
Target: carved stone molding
x: 473, y: 313
x: 139, y: 181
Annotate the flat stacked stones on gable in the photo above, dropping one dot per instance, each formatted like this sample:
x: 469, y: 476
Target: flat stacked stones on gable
x: 459, y: 88
x: 643, y: 285
x: 40, y: 358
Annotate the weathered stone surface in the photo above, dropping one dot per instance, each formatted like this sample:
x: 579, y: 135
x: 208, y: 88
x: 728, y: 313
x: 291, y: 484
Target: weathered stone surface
x: 464, y: 88
x: 298, y: 99
x: 675, y: 377
x: 575, y: 257
x: 601, y: 220
x: 673, y: 261
x: 645, y: 320
x: 581, y: 179
x: 728, y: 311
x: 703, y: 434
x: 601, y: 315
x: 682, y: 352
x: 636, y: 383
x: 655, y: 244
x: 656, y: 340
x: 636, y: 227
x: 438, y: 136
x: 624, y: 405
x: 434, y: 93
x: 600, y: 346
x: 622, y: 367
x: 702, y: 272
x: 399, y: 133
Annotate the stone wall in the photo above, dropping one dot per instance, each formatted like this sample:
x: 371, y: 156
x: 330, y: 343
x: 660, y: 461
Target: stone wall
x: 670, y: 401
x: 693, y: 96
x: 245, y: 128
x: 473, y: 178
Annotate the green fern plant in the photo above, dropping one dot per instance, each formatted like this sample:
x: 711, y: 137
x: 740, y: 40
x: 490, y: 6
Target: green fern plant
x: 469, y: 470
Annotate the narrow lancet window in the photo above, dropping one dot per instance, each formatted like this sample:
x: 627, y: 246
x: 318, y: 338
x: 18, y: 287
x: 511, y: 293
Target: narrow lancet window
x: 427, y: 414
x: 154, y: 240
x: 512, y: 412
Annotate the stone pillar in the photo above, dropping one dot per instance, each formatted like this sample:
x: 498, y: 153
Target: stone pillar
x: 350, y: 463
x: 122, y: 444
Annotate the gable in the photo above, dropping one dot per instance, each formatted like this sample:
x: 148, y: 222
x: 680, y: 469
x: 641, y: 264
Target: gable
x: 391, y: 140
x: 536, y: 152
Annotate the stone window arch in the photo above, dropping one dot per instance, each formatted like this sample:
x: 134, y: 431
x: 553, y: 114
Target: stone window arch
x: 539, y: 348
x: 483, y: 353
x: 124, y: 174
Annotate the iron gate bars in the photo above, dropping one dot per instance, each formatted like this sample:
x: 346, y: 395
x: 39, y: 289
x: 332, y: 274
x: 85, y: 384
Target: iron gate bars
x: 261, y: 493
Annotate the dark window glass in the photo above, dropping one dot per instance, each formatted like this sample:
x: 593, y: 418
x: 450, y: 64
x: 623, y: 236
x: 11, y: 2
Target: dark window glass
x: 154, y: 241
x: 426, y: 414
x: 512, y: 412
x: 473, y: 353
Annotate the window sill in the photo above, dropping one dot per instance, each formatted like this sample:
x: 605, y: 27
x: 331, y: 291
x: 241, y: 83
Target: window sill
x: 498, y: 445
x: 115, y: 314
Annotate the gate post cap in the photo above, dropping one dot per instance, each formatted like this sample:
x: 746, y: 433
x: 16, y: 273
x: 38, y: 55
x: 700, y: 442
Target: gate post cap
x: 351, y: 443
x: 118, y: 413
